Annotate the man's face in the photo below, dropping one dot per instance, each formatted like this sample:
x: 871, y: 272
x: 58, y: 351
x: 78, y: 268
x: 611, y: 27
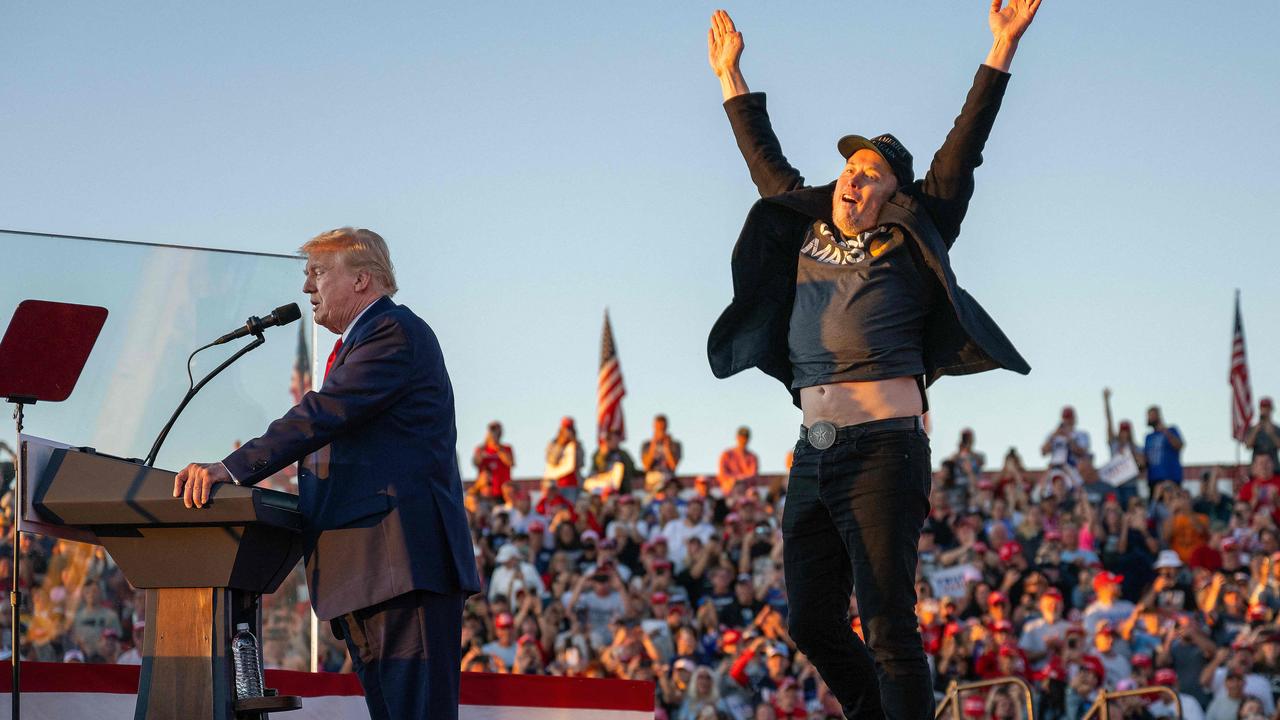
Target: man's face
x: 1049, y: 606
x: 659, y: 428
x: 693, y: 511
x: 777, y: 665
x: 720, y: 579
x: 1241, y: 661
x: 1262, y: 467
x: 334, y: 289
x: 1153, y: 416
x: 1235, y: 686
x: 861, y: 190
x: 1103, y: 642
x: 743, y: 439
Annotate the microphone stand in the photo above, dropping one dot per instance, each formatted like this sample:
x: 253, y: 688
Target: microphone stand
x: 191, y: 393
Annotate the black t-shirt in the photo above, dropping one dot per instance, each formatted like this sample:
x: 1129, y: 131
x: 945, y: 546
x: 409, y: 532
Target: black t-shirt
x: 860, y: 308
x: 1264, y: 444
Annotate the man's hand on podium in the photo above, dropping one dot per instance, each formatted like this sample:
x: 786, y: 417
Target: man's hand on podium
x: 194, y: 482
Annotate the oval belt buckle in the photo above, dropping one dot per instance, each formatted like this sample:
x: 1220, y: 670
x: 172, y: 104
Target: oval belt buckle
x: 822, y: 435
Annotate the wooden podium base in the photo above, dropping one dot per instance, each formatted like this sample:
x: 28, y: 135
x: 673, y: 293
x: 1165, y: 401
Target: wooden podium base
x: 187, y: 672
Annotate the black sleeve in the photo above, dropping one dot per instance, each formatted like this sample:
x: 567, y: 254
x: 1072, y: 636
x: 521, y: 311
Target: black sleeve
x: 769, y: 168
x: 948, y: 185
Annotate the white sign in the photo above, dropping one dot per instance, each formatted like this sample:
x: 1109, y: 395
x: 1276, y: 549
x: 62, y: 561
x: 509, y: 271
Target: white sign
x: 952, y: 581
x: 1120, y: 470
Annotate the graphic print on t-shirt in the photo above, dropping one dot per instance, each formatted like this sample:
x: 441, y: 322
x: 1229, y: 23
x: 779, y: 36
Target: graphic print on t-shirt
x: 825, y: 245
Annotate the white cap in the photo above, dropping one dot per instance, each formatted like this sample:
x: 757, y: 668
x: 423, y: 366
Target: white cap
x: 1168, y: 559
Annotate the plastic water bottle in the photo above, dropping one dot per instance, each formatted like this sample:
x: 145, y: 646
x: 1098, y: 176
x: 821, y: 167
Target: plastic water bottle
x: 244, y: 655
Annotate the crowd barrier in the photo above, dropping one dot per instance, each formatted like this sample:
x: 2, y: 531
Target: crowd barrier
x: 57, y: 691
x: 955, y: 690
x: 1101, y: 707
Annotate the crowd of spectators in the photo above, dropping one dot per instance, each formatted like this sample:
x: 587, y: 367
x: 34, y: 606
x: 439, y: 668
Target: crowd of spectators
x: 1103, y: 571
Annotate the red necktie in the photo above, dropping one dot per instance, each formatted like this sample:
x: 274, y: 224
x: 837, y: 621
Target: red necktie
x: 337, y: 347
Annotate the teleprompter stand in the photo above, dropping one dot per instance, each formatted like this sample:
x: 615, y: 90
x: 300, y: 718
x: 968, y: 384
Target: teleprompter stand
x: 43, y: 351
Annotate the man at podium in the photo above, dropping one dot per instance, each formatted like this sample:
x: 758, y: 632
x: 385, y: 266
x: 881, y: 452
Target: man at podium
x: 388, y: 553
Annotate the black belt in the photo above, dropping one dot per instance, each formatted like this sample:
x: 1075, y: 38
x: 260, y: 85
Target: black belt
x: 824, y: 434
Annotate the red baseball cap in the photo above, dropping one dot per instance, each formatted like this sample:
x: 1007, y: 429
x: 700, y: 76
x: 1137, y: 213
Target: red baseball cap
x: 1009, y: 549
x: 1141, y: 660
x: 995, y: 596
x: 1053, y: 535
x: 658, y: 598
x: 1053, y: 592
x: 1166, y: 676
x: 1126, y: 425
x: 1264, y: 402
x: 1094, y: 665
x: 1054, y: 670
x: 503, y: 620
x: 1107, y: 576
x: 974, y: 706
x: 566, y: 422
x: 730, y: 637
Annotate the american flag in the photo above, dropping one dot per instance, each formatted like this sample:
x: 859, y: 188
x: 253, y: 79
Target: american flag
x: 1241, y: 396
x: 610, y: 390
x: 300, y: 382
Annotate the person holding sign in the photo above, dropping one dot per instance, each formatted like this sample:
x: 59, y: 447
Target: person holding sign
x: 1128, y: 461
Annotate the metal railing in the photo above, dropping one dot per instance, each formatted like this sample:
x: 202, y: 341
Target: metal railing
x: 952, y: 698
x: 1101, y: 707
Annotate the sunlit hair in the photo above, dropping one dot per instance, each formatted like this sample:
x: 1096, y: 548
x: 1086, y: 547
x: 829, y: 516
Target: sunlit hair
x: 360, y: 249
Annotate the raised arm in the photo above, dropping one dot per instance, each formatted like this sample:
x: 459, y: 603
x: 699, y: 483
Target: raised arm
x: 1007, y: 26
x: 724, y: 50
x: 948, y: 185
x: 769, y: 168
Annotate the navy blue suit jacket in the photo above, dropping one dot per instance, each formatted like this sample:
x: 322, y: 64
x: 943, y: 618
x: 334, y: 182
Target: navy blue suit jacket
x: 378, y: 483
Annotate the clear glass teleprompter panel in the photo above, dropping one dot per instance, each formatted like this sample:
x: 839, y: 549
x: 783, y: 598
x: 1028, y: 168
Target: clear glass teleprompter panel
x: 163, y: 302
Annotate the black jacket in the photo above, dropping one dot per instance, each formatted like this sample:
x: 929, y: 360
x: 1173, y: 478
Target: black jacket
x: 960, y: 338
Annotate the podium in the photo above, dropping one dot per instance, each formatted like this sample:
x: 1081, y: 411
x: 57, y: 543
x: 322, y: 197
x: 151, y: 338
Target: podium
x: 203, y: 570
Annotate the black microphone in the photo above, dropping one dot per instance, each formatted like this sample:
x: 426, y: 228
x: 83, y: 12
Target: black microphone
x: 282, y: 315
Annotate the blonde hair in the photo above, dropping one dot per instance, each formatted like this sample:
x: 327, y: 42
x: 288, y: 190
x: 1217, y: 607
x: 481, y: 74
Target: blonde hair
x: 360, y: 249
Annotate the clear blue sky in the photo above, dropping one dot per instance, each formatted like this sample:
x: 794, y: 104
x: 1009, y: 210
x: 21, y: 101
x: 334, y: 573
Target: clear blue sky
x: 531, y: 164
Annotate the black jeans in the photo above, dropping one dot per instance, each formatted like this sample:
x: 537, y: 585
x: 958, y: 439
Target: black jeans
x: 851, y: 525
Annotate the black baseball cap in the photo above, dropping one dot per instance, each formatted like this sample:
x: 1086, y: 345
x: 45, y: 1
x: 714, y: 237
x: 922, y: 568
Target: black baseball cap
x: 888, y: 147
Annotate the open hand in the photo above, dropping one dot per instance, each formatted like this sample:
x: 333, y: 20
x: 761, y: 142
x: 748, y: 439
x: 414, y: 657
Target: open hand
x: 1010, y: 21
x: 724, y: 44
x: 194, y: 482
